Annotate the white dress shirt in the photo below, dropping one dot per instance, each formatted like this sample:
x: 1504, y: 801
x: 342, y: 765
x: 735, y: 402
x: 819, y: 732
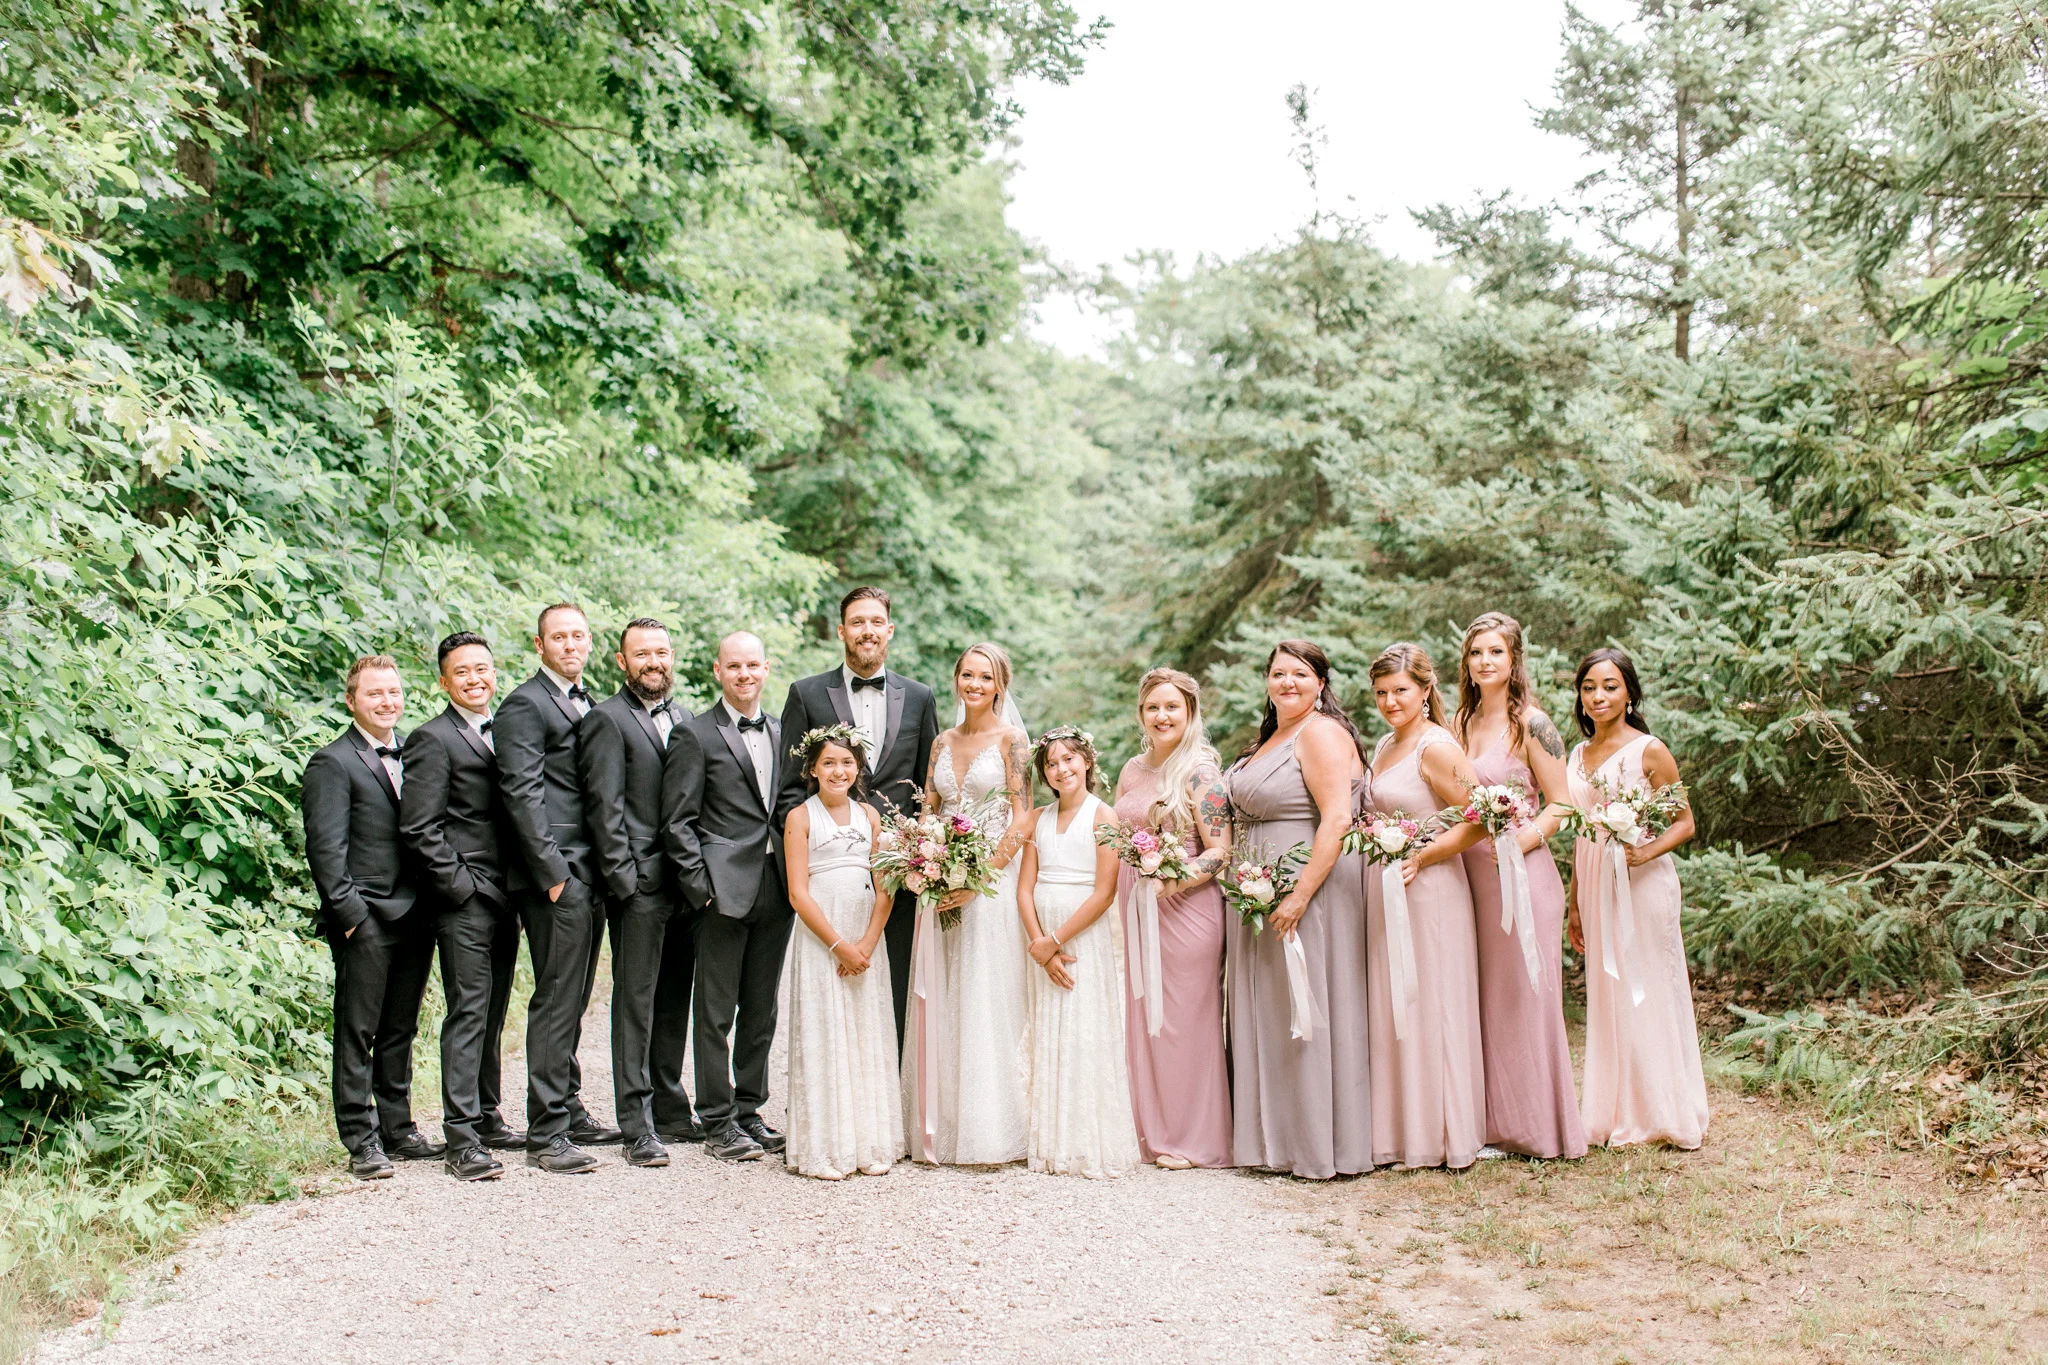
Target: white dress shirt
x: 760, y: 748
x: 393, y: 768
x: 477, y: 721
x: 869, y: 707
x: 562, y: 685
x: 663, y: 719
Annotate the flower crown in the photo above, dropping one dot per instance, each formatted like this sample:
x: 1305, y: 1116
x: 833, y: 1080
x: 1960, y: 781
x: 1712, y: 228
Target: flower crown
x: 1064, y: 734
x: 807, y: 748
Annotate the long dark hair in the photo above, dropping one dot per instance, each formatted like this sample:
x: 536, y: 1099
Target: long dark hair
x: 1627, y: 668
x: 1326, y: 699
x: 1509, y: 629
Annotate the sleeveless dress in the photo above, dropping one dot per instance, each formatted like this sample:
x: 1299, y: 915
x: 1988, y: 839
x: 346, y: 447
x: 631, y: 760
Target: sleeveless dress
x: 1080, y: 1096
x: 844, y: 1112
x: 1428, y: 1089
x: 1644, y: 1081
x: 1180, y: 1080
x: 1531, y: 1106
x: 964, y: 1053
x: 1298, y: 1105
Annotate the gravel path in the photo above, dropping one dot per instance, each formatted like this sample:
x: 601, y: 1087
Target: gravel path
x: 705, y: 1261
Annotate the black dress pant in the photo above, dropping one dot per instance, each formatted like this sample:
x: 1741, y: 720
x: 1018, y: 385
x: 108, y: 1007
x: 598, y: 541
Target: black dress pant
x: 380, y: 977
x: 490, y: 1075
x: 564, y: 937
x: 739, y: 967
x: 897, y: 936
x: 653, y: 959
x: 476, y: 972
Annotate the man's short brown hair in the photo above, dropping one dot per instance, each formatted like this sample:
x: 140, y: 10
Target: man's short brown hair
x: 861, y: 594
x: 364, y: 665
x: 540, y: 627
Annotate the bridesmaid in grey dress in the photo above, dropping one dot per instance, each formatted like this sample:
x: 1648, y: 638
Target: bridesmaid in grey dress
x: 1302, y: 1104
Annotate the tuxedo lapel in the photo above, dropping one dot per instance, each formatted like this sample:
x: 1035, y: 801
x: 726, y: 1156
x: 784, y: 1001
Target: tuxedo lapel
x: 774, y: 754
x: 647, y: 727
x: 746, y: 760
x: 468, y: 732
x: 835, y: 692
x: 375, y: 764
x: 895, y: 726
x: 557, y: 696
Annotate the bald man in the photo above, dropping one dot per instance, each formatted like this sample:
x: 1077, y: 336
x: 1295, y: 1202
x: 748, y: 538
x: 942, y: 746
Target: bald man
x: 724, y: 846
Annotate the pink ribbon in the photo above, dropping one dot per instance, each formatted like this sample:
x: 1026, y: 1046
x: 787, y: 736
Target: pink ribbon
x: 928, y: 987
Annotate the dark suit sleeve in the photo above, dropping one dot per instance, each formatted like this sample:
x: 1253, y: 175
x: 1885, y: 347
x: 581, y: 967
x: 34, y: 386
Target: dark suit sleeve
x: 521, y: 738
x: 682, y: 792
x: 601, y: 763
x: 422, y: 810
x: 927, y: 735
x: 796, y: 723
x: 325, y: 800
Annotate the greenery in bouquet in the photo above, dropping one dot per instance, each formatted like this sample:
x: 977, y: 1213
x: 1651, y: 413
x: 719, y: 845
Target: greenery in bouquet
x: 1162, y: 857
x: 1629, y: 815
x: 932, y: 855
x: 1390, y: 838
x: 1498, y: 807
x: 1254, y: 880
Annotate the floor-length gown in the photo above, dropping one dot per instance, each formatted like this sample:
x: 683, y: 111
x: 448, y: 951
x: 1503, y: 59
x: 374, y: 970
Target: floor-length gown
x: 1429, y: 1088
x: 1644, y: 1082
x: 1080, y: 1095
x: 965, y: 1067
x: 1298, y: 1105
x: 1531, y: 1107
x: 845, y: 1102
x: 1180, y: 1080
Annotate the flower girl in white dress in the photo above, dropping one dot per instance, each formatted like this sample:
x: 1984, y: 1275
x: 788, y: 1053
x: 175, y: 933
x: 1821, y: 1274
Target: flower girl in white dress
x: 844, y: 1108
x: 1081, y: 1120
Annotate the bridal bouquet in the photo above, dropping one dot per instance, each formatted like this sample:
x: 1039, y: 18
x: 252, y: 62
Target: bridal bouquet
x: 1161, y: 857
x: 1628, y: 815
x: 1499, y: 809
x: 1391, y: 840
x: 1253, y: 882
x: 1157, y: 858
x: 930, y: 855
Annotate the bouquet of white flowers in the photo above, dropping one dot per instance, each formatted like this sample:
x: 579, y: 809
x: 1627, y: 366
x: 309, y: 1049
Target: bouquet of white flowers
x: 1254, y: 881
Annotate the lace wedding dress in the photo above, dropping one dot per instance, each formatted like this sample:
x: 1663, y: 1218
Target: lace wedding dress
x: 965, y: 1067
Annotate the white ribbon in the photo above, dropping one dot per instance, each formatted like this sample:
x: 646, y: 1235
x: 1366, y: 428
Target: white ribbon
x: 927, y: 983
x: 1621, y: 924
x: 1141, y: 909
x: 1301, y: 1003
x: 1400, y: 946
x: 1517, y: 913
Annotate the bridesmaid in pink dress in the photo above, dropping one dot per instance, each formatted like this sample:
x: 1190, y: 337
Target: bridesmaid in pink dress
x: 1643, y: 1077
x: 1531, y: 1107
x: 1180, y: 1086
x: 1429, y: 1087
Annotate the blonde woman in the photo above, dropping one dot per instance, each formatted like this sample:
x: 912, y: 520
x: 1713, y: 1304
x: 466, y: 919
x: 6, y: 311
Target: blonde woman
x: 1180, y: 1084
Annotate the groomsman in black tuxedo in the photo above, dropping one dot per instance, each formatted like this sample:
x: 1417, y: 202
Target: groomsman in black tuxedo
x: 554, y: 882
x: 724, y: 845
x: 383, y: 947
x: 453, y: 820
x: 900, y: 720
x: 621, y: 746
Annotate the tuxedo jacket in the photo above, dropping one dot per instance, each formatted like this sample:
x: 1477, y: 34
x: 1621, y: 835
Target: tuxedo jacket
x: 536, y: 736
x: 352, y: 845
x: 450, y: 813
x: 895, y: 774
x: 721, y: 838
x: 619, y: 754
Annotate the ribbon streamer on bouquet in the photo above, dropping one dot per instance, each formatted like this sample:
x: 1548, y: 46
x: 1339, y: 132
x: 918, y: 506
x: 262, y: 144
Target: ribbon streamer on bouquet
x: 1517, y: 914
x: 928, y: 986
x: 1141, y: 909
x: 1619, y: 933
x: 1301, y: 1001
x: 1400, y: 947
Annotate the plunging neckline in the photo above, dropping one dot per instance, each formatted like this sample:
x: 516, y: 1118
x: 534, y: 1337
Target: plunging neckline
x: 959, y: 773
x: 833, y: 820
x: 1079, y: 811
x: 1601, y: 766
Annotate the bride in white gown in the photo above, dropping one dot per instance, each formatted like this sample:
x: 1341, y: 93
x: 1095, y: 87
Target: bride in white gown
x: 965, y: 1062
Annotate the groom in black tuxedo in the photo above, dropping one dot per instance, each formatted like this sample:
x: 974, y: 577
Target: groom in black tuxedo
x: 383, y: 944
x: 724, y: 844
x: 900, y: 720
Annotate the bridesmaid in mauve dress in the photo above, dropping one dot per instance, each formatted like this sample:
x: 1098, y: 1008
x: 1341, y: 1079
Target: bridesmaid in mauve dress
x: 1302, y: 1100
x: 1429, y: 1086
x: 1531, y: 1107
x: 1644, y: 1082
x: 1180, y: 1083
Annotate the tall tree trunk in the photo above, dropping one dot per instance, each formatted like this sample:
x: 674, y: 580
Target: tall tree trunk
x: 1681, y: 272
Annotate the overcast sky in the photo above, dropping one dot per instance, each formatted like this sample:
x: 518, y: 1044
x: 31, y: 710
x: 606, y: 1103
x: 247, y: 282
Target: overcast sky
x: 1177, y: 134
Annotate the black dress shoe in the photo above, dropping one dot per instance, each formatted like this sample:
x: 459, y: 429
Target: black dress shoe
x: 369, y: 1162
x: 770, y: 1140
x: 505, y: 1139
x: 687, y: 1131
x: 588, y: 1132
x: 473, y: 1163
x: 646, y: 1150
x: 562, y: 1157
x: 415, y: 1146
x: 729, y: 1142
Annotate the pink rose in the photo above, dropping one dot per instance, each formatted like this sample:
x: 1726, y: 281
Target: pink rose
x: 914, y: 883
x: 1149, y: 864
x: 1145, y: 841
x: 962, y: 825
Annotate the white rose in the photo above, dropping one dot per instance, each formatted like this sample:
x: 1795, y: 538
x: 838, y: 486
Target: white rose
x: 1391, y: 839
x: 1257, y: 889
x: 1620, y: 820
x: 956, y: 878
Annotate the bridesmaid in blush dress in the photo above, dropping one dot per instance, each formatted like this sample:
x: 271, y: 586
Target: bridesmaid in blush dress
x: 1531, y: 1107
x: 1180, y: 1083
x: 1644, y: 1082
x: 1302, y: 1101
x: 1428, y: 1075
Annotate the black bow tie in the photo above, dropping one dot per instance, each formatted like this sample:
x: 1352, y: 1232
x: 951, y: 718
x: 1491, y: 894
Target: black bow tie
x: 878, y: 682
x: 384, y: 751
x: 660, y: 708
x: 485, y: 728
x: 757, y: 723
x: 578, y: 692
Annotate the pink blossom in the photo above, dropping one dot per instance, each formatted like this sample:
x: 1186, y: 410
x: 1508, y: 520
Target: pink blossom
x: 914, y: 883
x: 963, y: 825
x: 1145, y: 841
x: 1149, y: 863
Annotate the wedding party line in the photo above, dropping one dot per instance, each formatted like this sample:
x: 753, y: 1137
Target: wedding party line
x: 1315, y: 958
